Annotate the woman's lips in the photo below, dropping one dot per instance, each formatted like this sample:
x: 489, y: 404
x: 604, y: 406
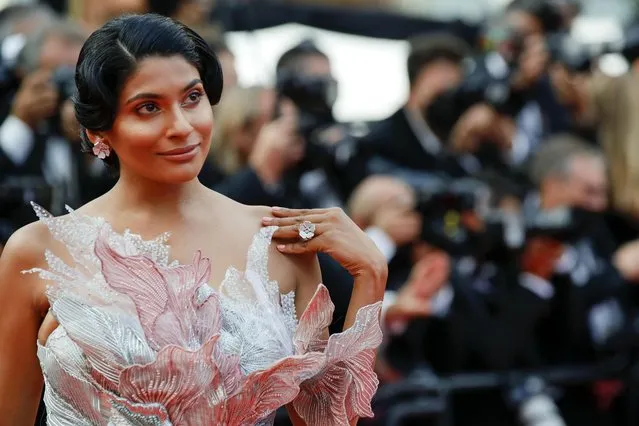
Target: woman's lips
x: 183, y: 154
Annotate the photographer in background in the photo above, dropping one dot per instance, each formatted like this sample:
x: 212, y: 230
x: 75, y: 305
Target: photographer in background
x: 35, y: 156
x: 571, y: 174
x: 588, y: 279
x: 505, y: 103
x: 331, y: 165
x: 405, y: 140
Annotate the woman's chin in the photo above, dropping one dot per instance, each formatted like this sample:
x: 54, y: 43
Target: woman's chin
x: 183, y: 173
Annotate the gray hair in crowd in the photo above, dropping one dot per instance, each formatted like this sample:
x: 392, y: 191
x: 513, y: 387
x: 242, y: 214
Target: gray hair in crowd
x: 554, y: 158
x: 19, y: 12
x: 29, y: 58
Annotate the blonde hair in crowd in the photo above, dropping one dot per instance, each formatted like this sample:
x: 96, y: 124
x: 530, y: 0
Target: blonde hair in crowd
x: 615, y: 103
x: 238, y: 107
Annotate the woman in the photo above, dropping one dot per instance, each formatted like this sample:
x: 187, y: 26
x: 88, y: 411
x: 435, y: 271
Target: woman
x: 130, y: 333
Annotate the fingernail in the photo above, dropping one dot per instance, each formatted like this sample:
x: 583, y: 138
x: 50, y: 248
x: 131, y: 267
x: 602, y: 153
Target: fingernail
x: 281, y: 247
x: 267, y: 219
x: 277, y: 209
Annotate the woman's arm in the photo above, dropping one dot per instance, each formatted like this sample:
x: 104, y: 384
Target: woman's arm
x: 309, y: 275
x: 340, y: 238
x: 20, y: 319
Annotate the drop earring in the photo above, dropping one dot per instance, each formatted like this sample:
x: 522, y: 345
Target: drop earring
x: 100, y: 149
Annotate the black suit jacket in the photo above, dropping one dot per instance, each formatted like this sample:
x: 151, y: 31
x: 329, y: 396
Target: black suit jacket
x: 566, y: 334
x: 395, y: 141
x: 481, y: 331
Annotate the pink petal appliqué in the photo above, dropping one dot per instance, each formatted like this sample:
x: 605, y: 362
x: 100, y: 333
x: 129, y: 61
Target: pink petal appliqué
x: 263, y: 392
x: 178, y: 379
x: 316, y: 318
x: 345, y: 387
x: 164, y: 297
x: 321, y: 400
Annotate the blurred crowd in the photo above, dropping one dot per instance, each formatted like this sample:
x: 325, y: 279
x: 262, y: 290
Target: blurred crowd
x: 504, y: 194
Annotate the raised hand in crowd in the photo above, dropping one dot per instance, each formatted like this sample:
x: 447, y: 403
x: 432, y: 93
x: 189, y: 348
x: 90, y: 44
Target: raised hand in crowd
x: 36, y: 100
x: 278, y: 146
x: 414, y: 299
x: 572, y: 90
x: 482, y: 123
x: 626, y: 260
x: 69, y: 124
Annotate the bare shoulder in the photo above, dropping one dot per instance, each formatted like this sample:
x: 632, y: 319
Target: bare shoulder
x: 26, y: 247
x: 256, y: 213
x: 24, y: 250
x: 286, y: 268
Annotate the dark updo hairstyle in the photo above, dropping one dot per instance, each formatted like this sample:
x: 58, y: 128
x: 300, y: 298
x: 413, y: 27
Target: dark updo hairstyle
x: 111, y: 55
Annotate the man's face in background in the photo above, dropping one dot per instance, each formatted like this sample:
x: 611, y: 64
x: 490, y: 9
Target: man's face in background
x: 434, y: 79
x: 584, y: 185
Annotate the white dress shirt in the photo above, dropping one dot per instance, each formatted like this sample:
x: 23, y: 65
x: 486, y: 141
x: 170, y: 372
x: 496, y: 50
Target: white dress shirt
x: 17, y: 141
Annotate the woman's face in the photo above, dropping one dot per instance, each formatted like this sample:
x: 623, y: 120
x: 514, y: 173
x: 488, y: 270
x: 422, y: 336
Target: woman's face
x: 163, y: 127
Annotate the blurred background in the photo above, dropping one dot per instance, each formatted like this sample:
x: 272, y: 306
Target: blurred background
x: 488, y: 147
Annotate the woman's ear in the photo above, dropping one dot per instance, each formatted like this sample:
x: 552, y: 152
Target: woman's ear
x: 101, y: 148
x: 93, y: 137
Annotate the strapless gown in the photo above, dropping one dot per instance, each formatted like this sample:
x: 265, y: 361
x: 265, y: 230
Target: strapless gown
x: 146, y: 341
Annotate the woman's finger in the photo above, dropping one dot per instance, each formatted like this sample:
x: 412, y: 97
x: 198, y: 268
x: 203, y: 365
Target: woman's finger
x: 301, y: 247
x: 284, y: 212
x: 294, y: 220
x: 292, y: 232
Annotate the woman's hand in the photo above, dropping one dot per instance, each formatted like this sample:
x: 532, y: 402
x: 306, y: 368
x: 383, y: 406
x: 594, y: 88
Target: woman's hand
x: 336, y: 235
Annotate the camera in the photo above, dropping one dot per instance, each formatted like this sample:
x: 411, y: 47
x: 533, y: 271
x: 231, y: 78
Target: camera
x: 566, y: 225
x: 63, y: 79
x: 486, y: 80
x: 576, y: 57
x: 314, y: 97
x: 442, y: 205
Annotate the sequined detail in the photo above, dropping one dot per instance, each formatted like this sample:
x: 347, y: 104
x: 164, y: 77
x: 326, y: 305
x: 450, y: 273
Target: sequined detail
x: 146, y: 341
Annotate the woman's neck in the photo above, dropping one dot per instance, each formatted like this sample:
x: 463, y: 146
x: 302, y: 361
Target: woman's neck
x: 136, y: 194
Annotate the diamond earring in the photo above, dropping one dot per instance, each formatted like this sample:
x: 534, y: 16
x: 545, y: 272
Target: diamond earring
x: 101, y: 150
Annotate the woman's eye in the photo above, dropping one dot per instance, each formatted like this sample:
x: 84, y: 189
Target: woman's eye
x: 147, y: 108
x: 194, y: 97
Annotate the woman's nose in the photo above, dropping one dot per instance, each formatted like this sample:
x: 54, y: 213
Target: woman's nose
x: 180, y: 125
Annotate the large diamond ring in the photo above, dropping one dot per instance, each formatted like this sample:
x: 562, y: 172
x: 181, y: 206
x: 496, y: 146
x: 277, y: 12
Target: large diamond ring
x: 307, y: 230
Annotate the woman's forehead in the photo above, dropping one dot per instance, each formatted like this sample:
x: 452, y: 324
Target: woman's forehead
x: 160, y: 75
